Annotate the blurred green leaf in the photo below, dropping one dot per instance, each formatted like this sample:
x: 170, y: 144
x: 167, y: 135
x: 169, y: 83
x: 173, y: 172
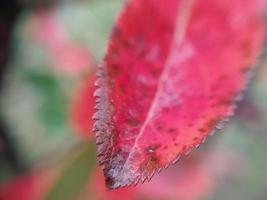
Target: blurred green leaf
x: 53, y: 111
x: 42, y: 81
x: 6, y: 170
x: 75, y: 177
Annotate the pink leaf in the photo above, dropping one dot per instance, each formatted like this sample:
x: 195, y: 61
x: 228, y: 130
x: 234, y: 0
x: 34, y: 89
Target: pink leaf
x: 172, y: 74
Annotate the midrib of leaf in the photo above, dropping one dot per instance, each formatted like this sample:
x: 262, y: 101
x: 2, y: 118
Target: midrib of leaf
x: 182, y: 20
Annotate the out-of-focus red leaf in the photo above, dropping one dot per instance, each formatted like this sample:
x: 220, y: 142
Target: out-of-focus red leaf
x: 72, y: 58
x: 82, y: 108
x: 30, y: 186
x: 67, y: 56
x: 172, y: 75
x: 24, y: 188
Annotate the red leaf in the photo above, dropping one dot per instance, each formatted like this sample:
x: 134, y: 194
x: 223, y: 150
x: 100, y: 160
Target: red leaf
x: 31, y: 186
x: 83, y: 107
x: 171, y: 76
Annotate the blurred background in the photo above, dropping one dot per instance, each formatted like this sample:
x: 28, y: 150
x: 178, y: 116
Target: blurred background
x: 49, y: 51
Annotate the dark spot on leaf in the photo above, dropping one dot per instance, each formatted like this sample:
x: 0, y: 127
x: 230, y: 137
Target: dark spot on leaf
x: 190, y: 124
x: 211, y: 97
x: 125, y: 42
x: 202, y: 130
x: 154, y: 72
x: 203, y: 116
x: 133, y: 122
x: 171, y: 130
x: 166, y: 110
x: 222, y: 77
x: 115, y: 71
x: 159, y: 127
x: 140, y: 40
x: 152, y: 161
x: 110, y: 182
x: 123, y: 90
x: 141, y: 53
x: 184, y: 148
x: 213, y: 122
